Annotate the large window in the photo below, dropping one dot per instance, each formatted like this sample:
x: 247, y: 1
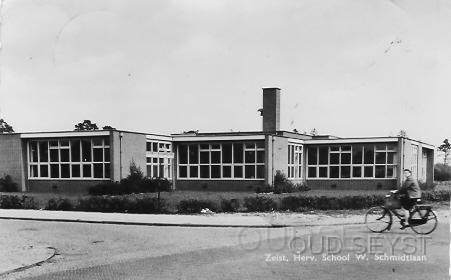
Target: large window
x: 352, y: 161
x: 159, y: 159
x: 222, y: 161
x: 294, y: 161
x: 69, y: 158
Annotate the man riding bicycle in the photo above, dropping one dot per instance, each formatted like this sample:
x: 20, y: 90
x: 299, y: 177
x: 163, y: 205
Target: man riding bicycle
x: 409, y: 193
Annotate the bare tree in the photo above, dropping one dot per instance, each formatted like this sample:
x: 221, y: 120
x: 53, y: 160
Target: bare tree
x: 445, y: 147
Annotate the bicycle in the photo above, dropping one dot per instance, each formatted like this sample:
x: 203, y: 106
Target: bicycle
x: 422, y: 220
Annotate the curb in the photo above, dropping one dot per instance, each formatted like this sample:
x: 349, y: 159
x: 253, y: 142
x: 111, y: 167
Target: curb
x: 22, y: 268
x: 143, y: 223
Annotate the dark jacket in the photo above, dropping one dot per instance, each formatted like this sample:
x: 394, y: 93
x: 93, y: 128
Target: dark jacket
x: 411, y: 187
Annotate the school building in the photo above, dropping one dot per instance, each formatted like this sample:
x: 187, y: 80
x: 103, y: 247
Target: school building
x: 72, y: 161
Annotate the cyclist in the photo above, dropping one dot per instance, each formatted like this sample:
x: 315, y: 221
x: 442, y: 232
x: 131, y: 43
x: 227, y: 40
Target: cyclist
x: 409, y: 193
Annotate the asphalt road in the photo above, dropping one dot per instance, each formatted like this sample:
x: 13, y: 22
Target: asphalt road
x: 218, y: 253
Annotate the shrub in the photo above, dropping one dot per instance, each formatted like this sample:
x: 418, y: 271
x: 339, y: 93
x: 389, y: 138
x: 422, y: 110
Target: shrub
x: 230, y: 205
x: 28, y: 202
x: 442, y: 172
x: 441, y: 195
x: 60, y: 204
x: 301, y: 203
x: 259, y: 204
x: 117, y: 204
x: 191, y: 206
x: 131, y: 185
x: 8, y: 185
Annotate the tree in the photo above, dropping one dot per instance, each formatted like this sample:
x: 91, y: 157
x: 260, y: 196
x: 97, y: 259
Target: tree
x: 107, y: 127
x: 5, y: 127
x: 314, y: 132
x: 402, y: 133
x: 445, y: 147
x: 86, y: 125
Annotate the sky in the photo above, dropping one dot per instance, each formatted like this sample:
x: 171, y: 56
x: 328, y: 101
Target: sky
x: 350, y: 68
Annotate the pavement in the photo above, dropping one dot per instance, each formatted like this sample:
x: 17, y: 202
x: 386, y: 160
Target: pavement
x: 26, y: 253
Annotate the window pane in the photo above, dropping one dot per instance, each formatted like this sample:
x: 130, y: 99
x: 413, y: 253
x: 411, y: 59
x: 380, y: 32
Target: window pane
x: 369, y: 155
x: 183, y: 171
x: 334, y: 158
x: 215, y: 171
x: 380, y: 147
x: 260, y: 144
x: 312, y: 172
x: 161, y: 170
x: 323, y: 172
x: 149, y: 171
x: 204, y: 171
x: 368, y: 171
x: 44, y: 170
x: 249, y: 171
x: 215, y: 146
x: 357, y: 171
x: 227, y: 171
x: 238, y: 171
x: 154, y: 170
x: 227, y: 153
x: 216, y: 157
x: 334, y: 172
x: 155, y: 160
x: 107, y: 170
x: 106, y: 141
x: 183, y: 154
x: 261, y: 156
x: 86, y: 151
x: 54, y: 170
x: 345, y: 172
x: 357, y: 155
x: 53, y: 143
x: 33, y: 171
x: 380, y: 171
x: 260, y: 171
x: 155, y: 147
x: 75, y: 171
x: 86, y: 170
x: 336, y: 149
x: 65, y: 171
x: 193, y: 154
x: 346, y: 148
x: 75, y: 151
x: 98, y: 170
x: 204, y: 157
x: 390, y: 158
x: 312, y: 156
x: 249, y: 156
x: 64, y: 143
x: 390, y: 171
x: 300, y: 172
x: 194, y: 172
x: 380, y: 157
x: 204, y: 146
x: 238, y: 153
x: 54, y: 155
x: 323, y: 155
x: 250, y: 145
x: 43, y: 152
x: 64, y: 155
x: 107, y: 154
x: 34, y: 152
x: 97, y: 141
x: 98, y: 154
x: 346, y: 158
x: 148, y: 146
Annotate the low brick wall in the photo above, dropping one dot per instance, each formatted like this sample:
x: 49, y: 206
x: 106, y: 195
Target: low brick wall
x: 219, y: 185
x: 61, y: 186
x: 352, y: 184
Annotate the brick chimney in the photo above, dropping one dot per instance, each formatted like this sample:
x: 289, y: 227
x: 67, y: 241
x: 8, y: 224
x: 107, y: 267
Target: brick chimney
x: 271, y: 109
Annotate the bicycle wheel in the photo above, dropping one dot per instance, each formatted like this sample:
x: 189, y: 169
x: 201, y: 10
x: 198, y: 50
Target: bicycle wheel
x: 428, y: 226
x: 378, y: 219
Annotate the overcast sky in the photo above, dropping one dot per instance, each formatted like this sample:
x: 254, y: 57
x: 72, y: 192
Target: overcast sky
x: 347, y: 68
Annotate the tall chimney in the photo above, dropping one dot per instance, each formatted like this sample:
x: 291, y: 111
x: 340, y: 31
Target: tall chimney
x: 271, y: 109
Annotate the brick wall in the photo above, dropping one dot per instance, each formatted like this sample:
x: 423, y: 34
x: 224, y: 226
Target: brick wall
x: 11, y: 158
x: 343, y: 184
x: 220, y: 185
